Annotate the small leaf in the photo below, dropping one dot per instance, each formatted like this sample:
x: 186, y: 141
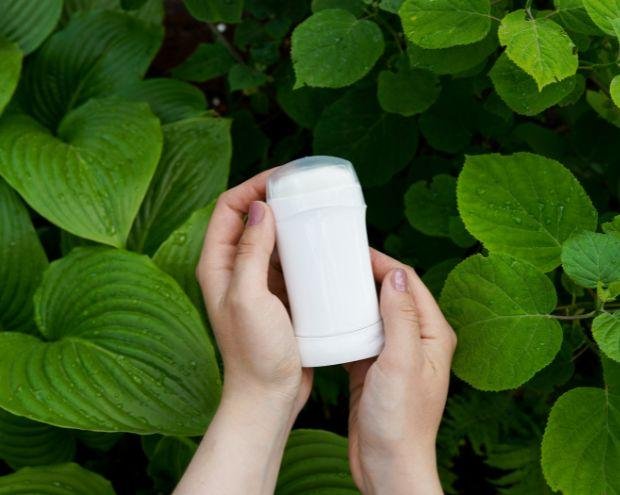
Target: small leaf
x: 124, y: 350
x: 499, y: 309
x: 455, y: 59
x: 332, y: 49
x: 589, y: 258
x: 356, y: 7
x: 315, y: 462
x: 523, y: 205
x: 580, y: 448
x: 10, y: 67
x: 538, y: 46
x: 407, y: 91
x: 519, y: 90
x: 242, y: 77
x: 216, y: 10
x: 89, y: 179
x: 429, y: 206
x: 614, y: 90
x: 603, y: 13
x: 22, y: 262
x: 604, y: 107
x: 58, y: 479
x: 208, y: 61
x: 179, y: 254
x: 24, y: 442
x: 575, y: 17
x: 97, y: 54
x: 445, y: 23
x: 606, y: 333
x: 378, y: 144
x: 28, y: 22
x: 613, y: 227
x: 192, y: 171
x: 169, y: 99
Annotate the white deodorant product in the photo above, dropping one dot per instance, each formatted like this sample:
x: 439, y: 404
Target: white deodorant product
x: 319, y: 210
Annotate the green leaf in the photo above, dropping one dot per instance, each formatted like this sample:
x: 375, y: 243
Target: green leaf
x: 435, y: 277
x: 378, y: 144
x: 22, y: 262
x: 499, y: 307
x: 574, y: 17
x: 28, y: 22
x: 96, y: 440
x: 241, y: 77
x: 10, y: 67
x: 179, y: 254
x: 208, y: 61
x: 407, y: 91
x: 519, y: 90
x: 97, y: 54
x: 522, y: 462
x: 614, y: 90
x: 24, y: 442
x: 89, y: 179
x: 332, y: 49
x: 216, y: 10
x: 168, y: 459
x: 606, y: 333
x: 538, y: 46
x: 613, y: 227
x: 603, y: 13
x: 58, y: 479
x: 193, y: 170
x: 580, y: 448
x: 523, y: 205
x: 589, y: 258
x: 169, y: 99
x: 604, y: 107
x: 124, y: 350
x: 356, y: 7
x: 445, y: 23
x: 455, y: 59
x: 315, y: 462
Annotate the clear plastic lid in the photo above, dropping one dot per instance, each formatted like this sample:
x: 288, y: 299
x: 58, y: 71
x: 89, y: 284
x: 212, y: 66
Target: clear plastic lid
x: 310, y: 174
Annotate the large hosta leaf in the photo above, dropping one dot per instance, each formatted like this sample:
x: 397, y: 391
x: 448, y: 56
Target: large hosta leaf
x: 97, y: 54
x: 192, y: 171
x: 523, y: 205
x: 24, y: 442
x: 28, y: 22
x: 591, y: 258
x: 10, y: 67
x: 315, y: 462
x: 89, y: 179
x: 499, y: 308
x: 22, y: 262
x: 58, y: 479
x: 124, y: 350
x: 581, y: 447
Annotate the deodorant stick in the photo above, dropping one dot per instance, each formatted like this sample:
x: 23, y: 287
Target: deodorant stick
x: 319, y: 210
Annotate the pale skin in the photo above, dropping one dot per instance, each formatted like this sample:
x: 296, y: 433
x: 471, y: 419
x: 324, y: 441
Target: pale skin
x: 397, y: 399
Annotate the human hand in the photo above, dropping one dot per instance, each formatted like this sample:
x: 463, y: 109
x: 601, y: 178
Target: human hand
x: 397, y: 399
x: 245, y: 297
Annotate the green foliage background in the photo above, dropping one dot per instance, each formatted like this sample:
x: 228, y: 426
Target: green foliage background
x: 486, y: 136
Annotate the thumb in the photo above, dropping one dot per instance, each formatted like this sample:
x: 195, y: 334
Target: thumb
x: 400, y: 316
x: 254, y: 250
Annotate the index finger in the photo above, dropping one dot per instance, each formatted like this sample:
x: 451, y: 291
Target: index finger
x: 225, y: 228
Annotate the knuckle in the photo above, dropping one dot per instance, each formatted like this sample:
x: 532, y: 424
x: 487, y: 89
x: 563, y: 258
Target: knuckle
x: 245, y: 247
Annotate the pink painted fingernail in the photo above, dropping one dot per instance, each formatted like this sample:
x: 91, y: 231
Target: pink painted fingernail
x: 256, y: 213
x: 399, y: 280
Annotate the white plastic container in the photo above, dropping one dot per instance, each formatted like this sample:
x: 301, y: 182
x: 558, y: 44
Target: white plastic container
x: 323, y: 247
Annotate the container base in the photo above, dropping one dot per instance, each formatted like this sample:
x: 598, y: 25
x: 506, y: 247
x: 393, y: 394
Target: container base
x: 343, y: 348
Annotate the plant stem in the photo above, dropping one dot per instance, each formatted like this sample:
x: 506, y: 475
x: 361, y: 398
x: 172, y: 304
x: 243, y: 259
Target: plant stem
x: 575, y: 317
x: 222, y: 39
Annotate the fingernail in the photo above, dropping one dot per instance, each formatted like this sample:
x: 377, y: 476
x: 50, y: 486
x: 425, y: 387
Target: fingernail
x: 256, y: 213
x: 399, y: 280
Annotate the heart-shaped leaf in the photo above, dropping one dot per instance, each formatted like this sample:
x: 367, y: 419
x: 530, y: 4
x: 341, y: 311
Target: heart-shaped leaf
x: 89, y: 179
x: 606, y: 332
x: 499, y: 308
x: 22, y: 262
x: 124, y: 350
x: 97, y: 54
x: 192, y: 171
x: 24, y: 442
x: 28, y: 22
x: 59, y: 479
x: 590, y: 258
x: 315, y: 462
x: 10, y: 67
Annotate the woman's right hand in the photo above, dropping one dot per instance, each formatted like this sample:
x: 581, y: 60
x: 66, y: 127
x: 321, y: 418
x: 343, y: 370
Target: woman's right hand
x: 397, y: 399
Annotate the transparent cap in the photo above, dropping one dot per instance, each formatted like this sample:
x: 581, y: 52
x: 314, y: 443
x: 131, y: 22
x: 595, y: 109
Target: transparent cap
x: 310, y: 174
